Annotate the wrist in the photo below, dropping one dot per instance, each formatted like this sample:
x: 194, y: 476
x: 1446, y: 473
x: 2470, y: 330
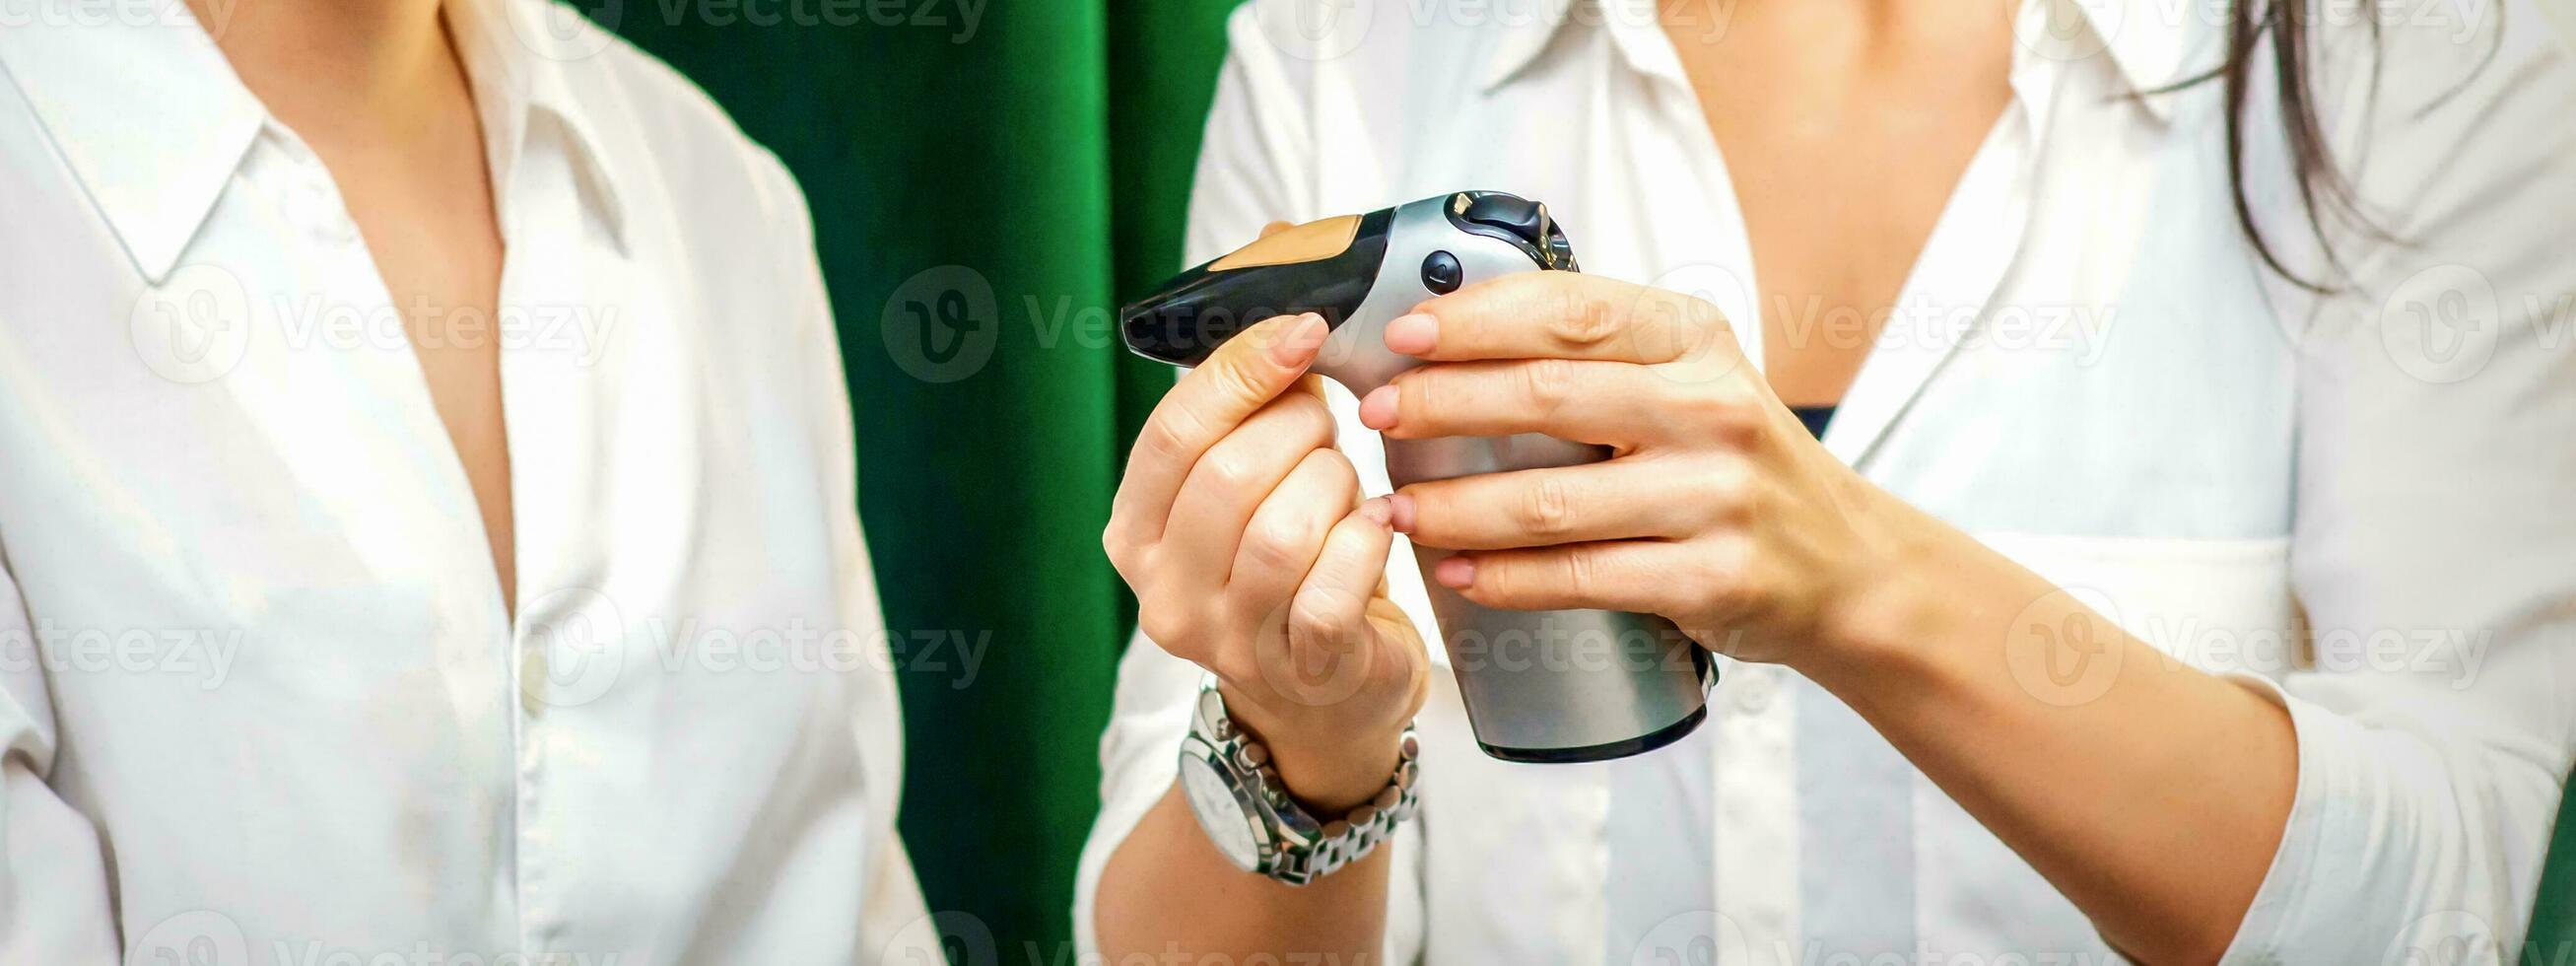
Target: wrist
x: 1329, y: 767
x: 1940, y: 604
x: 1913, y: 595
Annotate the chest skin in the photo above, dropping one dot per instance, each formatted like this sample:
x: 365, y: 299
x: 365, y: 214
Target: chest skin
x: 1845, y: 126
x: 410, y: 167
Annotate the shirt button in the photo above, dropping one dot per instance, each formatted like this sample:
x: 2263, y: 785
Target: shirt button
x: 532, y: 681
x: 1753, y: 688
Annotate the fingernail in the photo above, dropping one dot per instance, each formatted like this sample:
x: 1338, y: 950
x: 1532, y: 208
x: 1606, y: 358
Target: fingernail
x: 1376, y: 511
x: 1299, y: 340
x: 1399, y: 512
x: 1412, y: 334
x: 1377, y: 409
x: 1455, y: 573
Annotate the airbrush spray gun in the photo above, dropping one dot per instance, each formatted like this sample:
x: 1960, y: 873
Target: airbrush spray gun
x: 1540, y: 686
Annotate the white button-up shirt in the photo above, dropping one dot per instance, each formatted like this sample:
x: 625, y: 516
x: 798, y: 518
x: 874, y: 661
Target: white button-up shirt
x: 2087, y: 369
x: 263, y: 701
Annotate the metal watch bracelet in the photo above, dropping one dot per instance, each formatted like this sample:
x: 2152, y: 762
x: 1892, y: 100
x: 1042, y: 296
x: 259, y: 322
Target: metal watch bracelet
x: 1249, y: 815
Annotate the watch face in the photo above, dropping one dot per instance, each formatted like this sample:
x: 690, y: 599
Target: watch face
x: 1219, y: 812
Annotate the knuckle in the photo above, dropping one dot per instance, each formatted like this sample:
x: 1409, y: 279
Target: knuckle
x: 1170, y: 631
x: 1345, y: 475
x: 1316, y: 615
x: 1327, y: 467
x: 1115, y: 547
x: 1306, y: 404
x: 1282, y: 545
x: 1729, y: 416
x: 1431, y: 504
x: 1546, y: 509
x: 1235, y: 379
x: 1731, y: 507
x: 1705, y: 317
x: 1231, y: 470
x: 1680, y: 326
x: 1422, y: 399
x: 1548, y: 384
x: 1340, y: 489
x: 1583, y: 567
x: 1314, y: 422
x: 1585, y: 321
x: 1727, y: 498
x: 1161, y: 440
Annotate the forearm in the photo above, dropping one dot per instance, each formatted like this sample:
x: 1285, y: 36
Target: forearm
x: 1166, y: 888
x: 2153, y: 796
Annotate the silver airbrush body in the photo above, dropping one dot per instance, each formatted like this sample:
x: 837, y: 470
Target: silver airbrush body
x: 1540, y: 686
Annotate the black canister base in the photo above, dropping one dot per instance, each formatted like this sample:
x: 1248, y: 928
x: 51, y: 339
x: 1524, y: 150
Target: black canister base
x: 1603, y: 752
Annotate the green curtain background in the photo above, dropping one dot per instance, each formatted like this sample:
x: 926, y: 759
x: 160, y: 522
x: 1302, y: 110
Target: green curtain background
x: 1043, y: 152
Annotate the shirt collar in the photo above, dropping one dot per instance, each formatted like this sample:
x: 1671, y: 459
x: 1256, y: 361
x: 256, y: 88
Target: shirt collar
x: 150, y: 117
x: 526, y: 55
x: 1634, y: 27
x: 147, y: 114
x: 2146, y: 40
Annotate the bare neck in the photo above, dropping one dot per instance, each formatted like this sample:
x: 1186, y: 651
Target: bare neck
x: 327, y: 66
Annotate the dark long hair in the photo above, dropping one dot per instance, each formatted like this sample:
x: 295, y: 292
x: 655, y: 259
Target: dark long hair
x: 2326, y: 195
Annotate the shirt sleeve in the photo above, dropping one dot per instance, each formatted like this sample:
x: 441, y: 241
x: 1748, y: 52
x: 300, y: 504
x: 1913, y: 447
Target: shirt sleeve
x: 1255, y: 158
x: 894, y: 921
x: 53, y: 890
x: 1253, y: 169
x: 2434, y: 549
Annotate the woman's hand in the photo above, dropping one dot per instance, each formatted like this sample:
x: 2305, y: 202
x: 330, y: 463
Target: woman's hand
x: 1717, y: 511
x: 1241, y: 530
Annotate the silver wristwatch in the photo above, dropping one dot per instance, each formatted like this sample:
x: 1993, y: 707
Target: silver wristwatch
x: 1248, y: 815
